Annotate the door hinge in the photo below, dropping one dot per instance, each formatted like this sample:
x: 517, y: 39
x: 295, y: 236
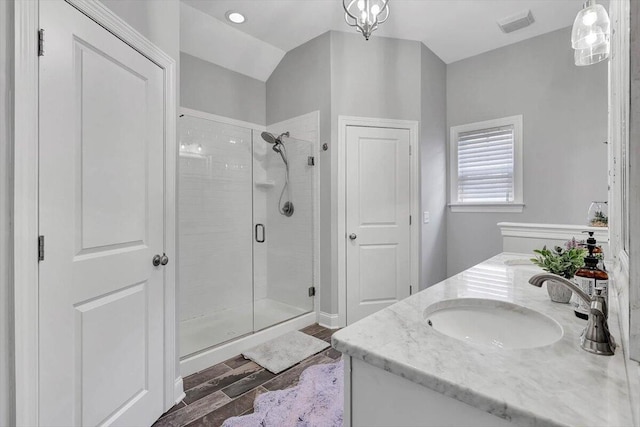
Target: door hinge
x: 41, y: 42
x: 409, y: 150
x: 311, y: 161
x: 312, y: 291
x: 40, y: 248
x: 409, y: 219
x: 410, y: 290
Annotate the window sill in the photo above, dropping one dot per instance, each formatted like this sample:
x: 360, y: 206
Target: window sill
x: 487, y: 207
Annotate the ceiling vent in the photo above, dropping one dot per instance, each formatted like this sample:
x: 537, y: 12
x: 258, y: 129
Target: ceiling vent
x: 516, y: 22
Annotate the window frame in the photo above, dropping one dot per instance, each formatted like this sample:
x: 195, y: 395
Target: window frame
x: 517, y: 205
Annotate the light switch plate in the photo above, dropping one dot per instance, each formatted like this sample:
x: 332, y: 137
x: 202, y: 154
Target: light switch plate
x: 425, y: 217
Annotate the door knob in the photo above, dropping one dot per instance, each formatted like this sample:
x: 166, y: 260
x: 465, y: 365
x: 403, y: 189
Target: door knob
x: 353, y: 236
x: 160, y: 260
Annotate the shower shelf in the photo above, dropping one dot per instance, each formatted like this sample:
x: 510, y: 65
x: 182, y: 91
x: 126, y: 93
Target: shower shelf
x: 264, y: 184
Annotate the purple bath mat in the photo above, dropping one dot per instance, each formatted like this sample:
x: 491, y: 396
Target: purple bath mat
x: 317, y: 401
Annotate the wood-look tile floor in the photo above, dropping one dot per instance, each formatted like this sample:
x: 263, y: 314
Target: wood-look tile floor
x: 228, y: 389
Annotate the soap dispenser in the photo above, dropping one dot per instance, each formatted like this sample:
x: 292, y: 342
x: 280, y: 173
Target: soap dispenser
x: 588, y: 278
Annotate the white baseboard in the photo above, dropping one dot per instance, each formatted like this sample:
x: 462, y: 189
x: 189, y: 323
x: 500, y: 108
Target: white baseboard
x: 200, y: 361
x: 178, y: 391
x: 328, y: 320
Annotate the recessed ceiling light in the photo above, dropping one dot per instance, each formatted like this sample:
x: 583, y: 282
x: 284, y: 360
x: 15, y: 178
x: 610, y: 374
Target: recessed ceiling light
x: 235, y: 17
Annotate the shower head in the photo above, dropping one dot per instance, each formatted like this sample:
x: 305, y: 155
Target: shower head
x: 270, y: 138
x: 277, y: 143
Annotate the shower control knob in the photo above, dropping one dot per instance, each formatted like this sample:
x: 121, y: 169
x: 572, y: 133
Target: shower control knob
x: 164, y: 260
x: 353, y: 236
x: 157, y: 259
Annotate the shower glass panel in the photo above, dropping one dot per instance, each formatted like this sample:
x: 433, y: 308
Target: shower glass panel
x: 244, y: 263
x: 215, y: 236
x: 283, y: 232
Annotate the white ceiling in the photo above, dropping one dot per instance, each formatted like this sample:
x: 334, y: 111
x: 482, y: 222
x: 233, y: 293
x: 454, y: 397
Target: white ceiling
x: 214, y: 41
x: 452, y: 29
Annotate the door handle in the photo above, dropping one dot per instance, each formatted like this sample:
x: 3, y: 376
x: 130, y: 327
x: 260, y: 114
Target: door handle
x: 353, y: 236
x: 160, y: 260
x: 261, y: 227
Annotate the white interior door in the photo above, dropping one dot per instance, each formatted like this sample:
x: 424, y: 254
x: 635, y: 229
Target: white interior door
x: 377, y: 225
x: 101, y: 213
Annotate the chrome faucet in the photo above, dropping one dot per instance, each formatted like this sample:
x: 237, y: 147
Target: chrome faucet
x: 596, y: 337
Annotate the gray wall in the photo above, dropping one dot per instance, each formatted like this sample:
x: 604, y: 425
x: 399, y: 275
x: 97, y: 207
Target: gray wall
x: 301, y: 83
x: 433, y: 146
x: 6, y: 193
x: 375, y: 78
x: 217, y: 90
x: 564, y: 110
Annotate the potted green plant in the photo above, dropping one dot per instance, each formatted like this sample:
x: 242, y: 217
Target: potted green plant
x: 563, y: 262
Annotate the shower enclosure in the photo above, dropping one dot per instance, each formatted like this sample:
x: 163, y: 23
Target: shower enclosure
x: 245, y: 261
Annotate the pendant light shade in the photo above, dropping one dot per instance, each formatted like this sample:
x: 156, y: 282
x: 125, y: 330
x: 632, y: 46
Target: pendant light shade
x: 591, y: 34
x: 365, y: 15
x: 593, y: 55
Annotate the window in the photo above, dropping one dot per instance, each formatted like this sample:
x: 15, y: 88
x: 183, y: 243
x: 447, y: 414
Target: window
x: 486, y: 166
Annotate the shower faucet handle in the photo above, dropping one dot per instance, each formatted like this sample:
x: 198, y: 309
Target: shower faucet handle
x: 353, y: 236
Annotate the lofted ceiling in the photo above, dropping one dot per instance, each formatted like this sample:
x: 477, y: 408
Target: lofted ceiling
x: 452, y: 29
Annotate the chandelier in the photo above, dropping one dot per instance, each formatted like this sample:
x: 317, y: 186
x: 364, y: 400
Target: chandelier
x: 365, y: 15
x: 590, y: 37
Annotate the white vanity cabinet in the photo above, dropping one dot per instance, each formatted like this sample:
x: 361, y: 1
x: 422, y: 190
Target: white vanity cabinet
x: 374, y: 397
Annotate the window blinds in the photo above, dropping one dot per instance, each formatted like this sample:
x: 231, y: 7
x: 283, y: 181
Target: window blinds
x: 486, y: 165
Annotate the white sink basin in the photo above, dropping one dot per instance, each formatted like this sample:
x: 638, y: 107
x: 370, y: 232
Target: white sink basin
x: 493, y: 323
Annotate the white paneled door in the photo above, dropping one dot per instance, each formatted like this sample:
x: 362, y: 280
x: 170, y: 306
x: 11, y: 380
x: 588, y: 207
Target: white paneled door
x: 377, y: 225
x: 101, y: 214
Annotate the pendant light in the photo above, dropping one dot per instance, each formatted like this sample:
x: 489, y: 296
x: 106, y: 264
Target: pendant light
x: 365, y: 15
x: 591, y: 34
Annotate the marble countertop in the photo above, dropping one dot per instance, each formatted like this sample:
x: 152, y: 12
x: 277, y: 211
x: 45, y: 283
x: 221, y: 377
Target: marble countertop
x: 559, y: 384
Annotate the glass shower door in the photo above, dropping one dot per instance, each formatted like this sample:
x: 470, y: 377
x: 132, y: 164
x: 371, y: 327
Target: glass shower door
x: 283, y: 230
x: 215, y: 236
